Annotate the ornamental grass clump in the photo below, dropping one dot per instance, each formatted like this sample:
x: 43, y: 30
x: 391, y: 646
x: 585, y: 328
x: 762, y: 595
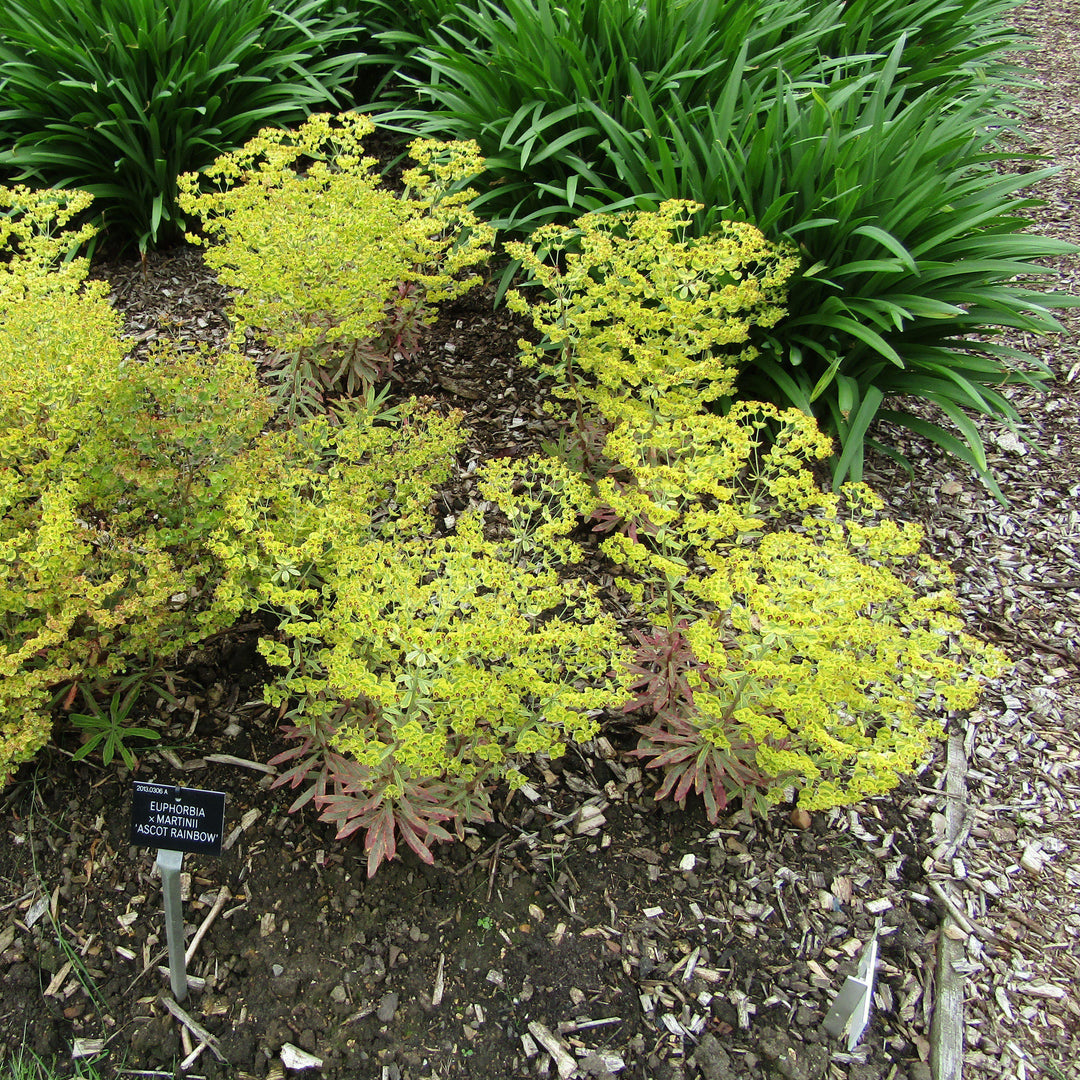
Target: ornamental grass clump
x: 414, y: 669
x: 110, y: 475
x: 118, y: 97
x: 796, y: 642
x: 336, y: 273
x: 538, y: 83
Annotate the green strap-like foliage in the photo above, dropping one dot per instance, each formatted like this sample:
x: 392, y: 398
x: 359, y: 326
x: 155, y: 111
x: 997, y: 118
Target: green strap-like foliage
x: 120, y: 97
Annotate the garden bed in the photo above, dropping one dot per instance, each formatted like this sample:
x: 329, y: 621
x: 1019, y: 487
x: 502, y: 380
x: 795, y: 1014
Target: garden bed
x: 588, y: 924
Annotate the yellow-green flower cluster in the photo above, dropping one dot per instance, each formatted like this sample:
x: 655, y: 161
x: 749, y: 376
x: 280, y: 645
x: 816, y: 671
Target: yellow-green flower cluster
x: 331, y: 268
x: 643, y: 322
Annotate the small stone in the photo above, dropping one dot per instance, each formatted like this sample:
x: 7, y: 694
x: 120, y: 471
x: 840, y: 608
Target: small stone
x: 800, y: 818
x: 338, y: 995
x: 687, y: 863
x: 598, y: 1065
x: 387, y: 1008
x: 285, y: 988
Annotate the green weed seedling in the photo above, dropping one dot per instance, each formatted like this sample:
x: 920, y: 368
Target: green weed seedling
x: 109, y: 728
x: 24, y: 1064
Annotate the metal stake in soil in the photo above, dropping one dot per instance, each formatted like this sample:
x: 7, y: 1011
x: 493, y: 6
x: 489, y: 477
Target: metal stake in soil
x: 169, y: 864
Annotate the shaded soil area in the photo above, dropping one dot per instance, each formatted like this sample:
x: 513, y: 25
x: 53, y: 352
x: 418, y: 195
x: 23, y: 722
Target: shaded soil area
x: 637, y: 934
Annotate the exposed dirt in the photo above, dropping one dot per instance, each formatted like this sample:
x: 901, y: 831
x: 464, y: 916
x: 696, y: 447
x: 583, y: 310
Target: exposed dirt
x: 528, y: 921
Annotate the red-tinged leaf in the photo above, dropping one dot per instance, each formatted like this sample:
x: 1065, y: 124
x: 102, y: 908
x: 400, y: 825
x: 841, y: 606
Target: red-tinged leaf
x: 295, y: 776
x: 669, y: 738
x: 350, y: 776
x: 672, y: 757
x: 380, y: 840
x: 426, y: 821
x: 437, y: 832
x: 720, y: 795
x: 711, y: 808
x: 288, y: 755
x: 703, y: 770
x: 302, y: 799
x: 346, y: 829
x: 673, y: 729
x: 348, y: 805
x: 651, y: 734
x: 686, y: 782
x: 669, y: 781
x: 415, y: 842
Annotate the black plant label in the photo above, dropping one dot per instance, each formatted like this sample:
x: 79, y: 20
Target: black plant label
x: 177, y: 818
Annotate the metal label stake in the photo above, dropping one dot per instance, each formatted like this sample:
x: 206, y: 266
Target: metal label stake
x: 169, y: 864
x: 184, y: 819
x: 851, y: 1008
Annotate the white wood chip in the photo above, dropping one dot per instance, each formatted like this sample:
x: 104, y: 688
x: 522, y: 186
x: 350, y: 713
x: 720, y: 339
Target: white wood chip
x: 437, y: 991
x: 292, y: 1057
x: 563, y: 1061
x: 37, y: 909
x: 671, y: 1022
x: 53, y: 989
x: 1042, y: 990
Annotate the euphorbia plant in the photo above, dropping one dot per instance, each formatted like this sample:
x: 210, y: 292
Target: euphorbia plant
x: 335, y: 272
x: 111, y: 475
x: 796, y: 641
x: 416, y: 669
